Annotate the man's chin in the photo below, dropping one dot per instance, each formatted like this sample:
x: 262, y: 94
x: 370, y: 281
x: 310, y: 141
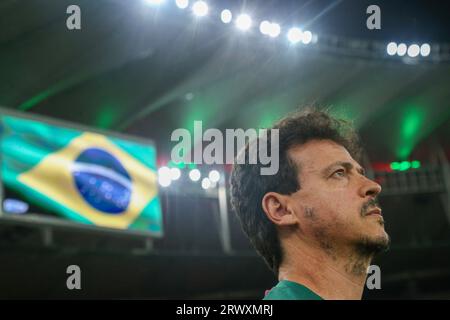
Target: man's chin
x: 373, y: 245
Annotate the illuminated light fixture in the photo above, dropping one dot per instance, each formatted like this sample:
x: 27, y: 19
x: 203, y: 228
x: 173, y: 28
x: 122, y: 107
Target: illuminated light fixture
x: 404, y: 165
x: 175, y: 173
x: 164, y: 176
x: 154, y: 2
x: 395, y: 165
x: 164, y: 171
x: 243, y: 22
x: 270, y: 29
x: 226, y: 16
x: 214, y: 176
x: 295, y: 35
x: 274, y: 30
x: 264, y: 27
x: 182, y: 4
x: 391, y: 48
x: 413, y: 50
x: 415, y: 164
x: 164, y: 181
x: 401, y: 49
x: 195, y: 174
x: 307, y: 37
x: 425, y: 49
x: 200, y: 8
x: 206, y: 183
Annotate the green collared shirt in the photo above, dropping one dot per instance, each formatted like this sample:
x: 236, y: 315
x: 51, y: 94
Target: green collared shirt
x: 288, y: 290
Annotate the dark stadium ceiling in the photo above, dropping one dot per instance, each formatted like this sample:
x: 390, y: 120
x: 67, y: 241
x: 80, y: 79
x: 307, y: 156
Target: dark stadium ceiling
x: 147, y: 71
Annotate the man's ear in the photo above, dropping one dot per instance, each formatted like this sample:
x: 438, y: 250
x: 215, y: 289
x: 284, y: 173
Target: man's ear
x: 276, y: 207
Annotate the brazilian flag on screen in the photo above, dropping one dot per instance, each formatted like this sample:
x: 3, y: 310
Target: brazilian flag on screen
x: 83, y: 176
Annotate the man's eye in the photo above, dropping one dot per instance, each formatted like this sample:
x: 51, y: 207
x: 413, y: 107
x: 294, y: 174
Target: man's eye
x: 339, y: 173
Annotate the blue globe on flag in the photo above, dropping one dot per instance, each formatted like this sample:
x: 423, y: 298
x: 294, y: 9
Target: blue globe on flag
x: 102, y: 181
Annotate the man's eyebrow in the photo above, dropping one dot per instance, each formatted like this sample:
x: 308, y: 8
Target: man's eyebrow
x: 347, y: 165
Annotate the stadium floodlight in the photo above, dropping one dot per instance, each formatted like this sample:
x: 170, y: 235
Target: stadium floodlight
x: 264, y: 27
x: 164, y: 176
x: 307, y: 37
x: 206, y: 183
x: 295, y: 35
x: 182, y: 4
x: 200, y: 8
x: 401, y: 49
x: 194, y: 174
x: 413, y: 50
x: 226, y: 16
x: 243, y: 22
x: 391, y: 48
x: 214, y: 176
x: 425, y: 49
x: 274, y: 30
x: 175, y: 173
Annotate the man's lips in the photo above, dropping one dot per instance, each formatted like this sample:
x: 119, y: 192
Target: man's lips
x: 376, y: 211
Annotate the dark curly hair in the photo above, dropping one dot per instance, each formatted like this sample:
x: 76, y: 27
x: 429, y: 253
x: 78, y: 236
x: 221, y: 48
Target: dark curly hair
x: 248, y: 186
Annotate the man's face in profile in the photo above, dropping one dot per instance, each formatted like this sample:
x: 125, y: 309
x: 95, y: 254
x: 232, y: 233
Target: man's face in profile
x: 336, y: 205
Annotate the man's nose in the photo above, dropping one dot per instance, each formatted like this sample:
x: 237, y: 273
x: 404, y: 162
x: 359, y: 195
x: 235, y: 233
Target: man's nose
x: 370, y: 188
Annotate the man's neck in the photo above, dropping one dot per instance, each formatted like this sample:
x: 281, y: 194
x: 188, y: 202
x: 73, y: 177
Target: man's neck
x: 331, y: 275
